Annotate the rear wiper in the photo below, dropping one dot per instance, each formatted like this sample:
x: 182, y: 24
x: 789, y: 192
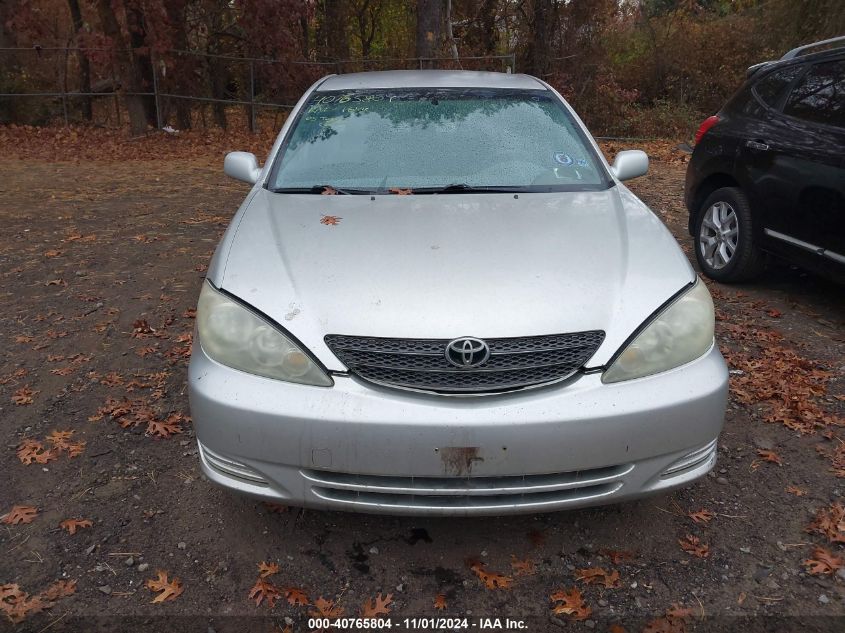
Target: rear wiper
x: 322, y: 190
x: 462, y: 187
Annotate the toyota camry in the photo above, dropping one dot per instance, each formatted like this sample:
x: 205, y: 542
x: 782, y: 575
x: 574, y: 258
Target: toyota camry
x: 439, y: 298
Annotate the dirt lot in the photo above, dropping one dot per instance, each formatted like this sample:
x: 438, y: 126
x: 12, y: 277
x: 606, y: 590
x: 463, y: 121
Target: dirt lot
x: 101, y: 266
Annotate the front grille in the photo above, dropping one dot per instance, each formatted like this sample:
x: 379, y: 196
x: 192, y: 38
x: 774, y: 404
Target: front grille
x: 514, y: 363
x: 467, y: 493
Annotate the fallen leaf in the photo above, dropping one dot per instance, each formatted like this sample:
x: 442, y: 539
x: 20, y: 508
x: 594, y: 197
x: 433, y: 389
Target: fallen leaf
x: 325, y: 609
x: 701, y: 516
x: 824, y: 562
x: 591, y: 575
x: 164, y: 428
x: 570, y: 603
x: 766, y: 456
x: 296, y: 596
x: 72, y: 525
x: 20, y: 514
x: 23, y: 396
x: 264, y: 590
x: 330, y: 220
x: 170, y: 589
x: 267, y: 569
x: 795, y: 490
x: 31, y: 450
x: 377, y: 606
x: 830, y: 522
x: 617, y: 556
x: 692, y: 545
x: 401, y: 192
x: 491, y: 580
x: 440, y: 601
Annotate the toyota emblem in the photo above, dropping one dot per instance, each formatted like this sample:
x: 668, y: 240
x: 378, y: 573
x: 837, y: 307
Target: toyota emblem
x: 467, y: 352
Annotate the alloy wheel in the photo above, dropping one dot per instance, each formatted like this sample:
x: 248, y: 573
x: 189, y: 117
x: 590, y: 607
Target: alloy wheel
x: 717, y: 237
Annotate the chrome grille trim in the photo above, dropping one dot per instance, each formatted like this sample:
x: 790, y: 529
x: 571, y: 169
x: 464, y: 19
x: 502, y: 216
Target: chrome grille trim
x: 230, y: 467
x: 466, y: 486
x: 691, y: 460
x: 421, y: 364
x: 537, y: 501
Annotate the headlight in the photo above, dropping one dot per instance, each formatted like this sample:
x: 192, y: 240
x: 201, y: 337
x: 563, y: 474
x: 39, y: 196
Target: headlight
x: 234, y: 336
x: 682, y: 332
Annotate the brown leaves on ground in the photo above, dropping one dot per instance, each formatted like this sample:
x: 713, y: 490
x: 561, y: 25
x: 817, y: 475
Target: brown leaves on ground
x: 491, y: 580
x: 19, y: 514
x: 701, y: 516
x: 23, y: 396
x: 267, y: 569
x: 264, y: 591
x: 795, y: 490
x: 440, y: 601
x: 766, y: 456
x: 330, y: 220
x: 131, y: 413
x: 325, y: 609
x: 169, y: 589
x: 33, y: 451
x: 823, y: 562
x: 167, y: 427
x: 597, y: 575
x: 72, y: 525
x: 570, y: 602
x: 17, y: 604
x: 373, y: 607
x: 693, y: 545
x: 830, y: 523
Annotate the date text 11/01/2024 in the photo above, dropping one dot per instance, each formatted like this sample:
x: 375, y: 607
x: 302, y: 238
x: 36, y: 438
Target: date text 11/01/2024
x: 425, y: 623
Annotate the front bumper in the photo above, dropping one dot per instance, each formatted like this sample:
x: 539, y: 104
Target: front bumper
x: 358, y: 447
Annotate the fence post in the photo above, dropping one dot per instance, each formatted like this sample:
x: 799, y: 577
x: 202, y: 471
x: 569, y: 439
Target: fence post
x: 252, y: 126
x: 155, y: 90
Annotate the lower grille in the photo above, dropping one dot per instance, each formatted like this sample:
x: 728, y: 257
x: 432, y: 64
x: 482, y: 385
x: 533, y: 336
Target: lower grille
x: 422, y: 364
x: 454, y: 493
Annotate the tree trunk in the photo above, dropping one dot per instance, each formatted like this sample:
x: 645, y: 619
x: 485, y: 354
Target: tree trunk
x: 429, y: 24
x: 129, y: 77
x: 142, y: 61
x: 489, y: 35
x: 176, y: 17
x: 334, y: 36
x: 538, y: 49
x: 84, y: 65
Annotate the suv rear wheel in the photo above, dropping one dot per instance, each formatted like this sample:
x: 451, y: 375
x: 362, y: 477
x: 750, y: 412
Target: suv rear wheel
x: 724, y: 237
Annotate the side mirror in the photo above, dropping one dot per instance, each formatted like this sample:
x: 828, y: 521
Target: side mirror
x: 242, y: 166
x: 631, y: 163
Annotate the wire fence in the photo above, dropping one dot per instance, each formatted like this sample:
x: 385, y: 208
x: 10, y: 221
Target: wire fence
x: 42, y: 84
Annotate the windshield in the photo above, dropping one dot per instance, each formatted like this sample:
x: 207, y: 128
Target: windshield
x: 428, y: 139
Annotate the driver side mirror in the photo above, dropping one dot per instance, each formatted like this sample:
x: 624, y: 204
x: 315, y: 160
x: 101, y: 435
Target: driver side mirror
x: 631, y: 163
x: 242, y: 166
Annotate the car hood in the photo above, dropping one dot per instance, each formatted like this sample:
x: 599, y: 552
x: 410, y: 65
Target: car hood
x: 444, y: 266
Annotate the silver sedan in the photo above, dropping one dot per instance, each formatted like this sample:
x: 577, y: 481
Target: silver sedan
x: 439, y: 298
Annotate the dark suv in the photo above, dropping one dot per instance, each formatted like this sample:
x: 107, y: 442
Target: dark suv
x: 768, y: 171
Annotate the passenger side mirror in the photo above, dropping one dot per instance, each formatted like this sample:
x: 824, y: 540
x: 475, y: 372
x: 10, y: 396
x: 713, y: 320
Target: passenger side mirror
x: 242, y: 166
x: 631, y: 163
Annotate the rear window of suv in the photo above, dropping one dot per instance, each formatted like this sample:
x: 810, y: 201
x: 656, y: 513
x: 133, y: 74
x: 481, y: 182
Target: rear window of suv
x: 771, y: 88
x: 820, y: 95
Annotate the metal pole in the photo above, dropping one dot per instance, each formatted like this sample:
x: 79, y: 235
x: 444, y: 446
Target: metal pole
x: 155, y: 91
x: 252, y: 126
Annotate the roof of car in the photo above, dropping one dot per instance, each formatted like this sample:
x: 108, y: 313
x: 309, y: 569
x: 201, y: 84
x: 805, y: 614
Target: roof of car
x: 429, y: 79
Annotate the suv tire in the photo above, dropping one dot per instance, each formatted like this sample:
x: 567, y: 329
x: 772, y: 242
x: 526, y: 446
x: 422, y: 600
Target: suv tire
x: 724, y: 240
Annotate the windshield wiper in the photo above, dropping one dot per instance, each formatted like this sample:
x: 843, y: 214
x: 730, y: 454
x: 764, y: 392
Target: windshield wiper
x: 462, y: 187
x: 319, y: 189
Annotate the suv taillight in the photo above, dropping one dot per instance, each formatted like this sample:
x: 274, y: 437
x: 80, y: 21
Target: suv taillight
x: 705, y: 126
